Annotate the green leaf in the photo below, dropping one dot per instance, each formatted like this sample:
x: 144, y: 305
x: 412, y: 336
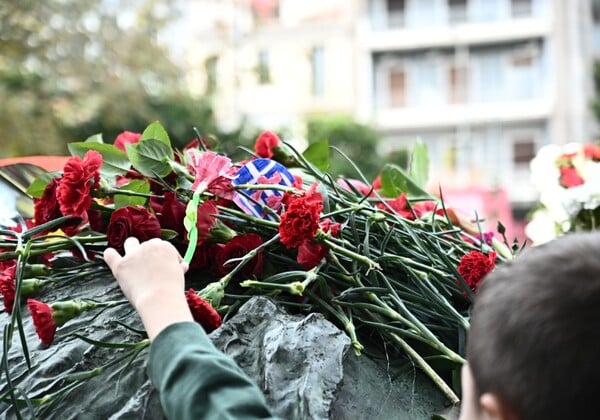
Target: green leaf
x: 395, y: 181
x: 37, y: 187
x: 136, y: 185
x: 156, y: 131
x: 419, y: 164
x: 150, y: 157
x: 318, y: 154
x: 96, y: 138
x: 168, y: 234
x: 114, y: 162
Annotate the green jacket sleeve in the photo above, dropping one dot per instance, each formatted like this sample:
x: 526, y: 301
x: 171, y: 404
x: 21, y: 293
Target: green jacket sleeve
x: 197, y: 381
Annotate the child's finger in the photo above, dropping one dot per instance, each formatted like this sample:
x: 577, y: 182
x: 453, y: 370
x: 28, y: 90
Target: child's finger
x: 185, y: 266
x: 111, y: 257
x: 131, y: 244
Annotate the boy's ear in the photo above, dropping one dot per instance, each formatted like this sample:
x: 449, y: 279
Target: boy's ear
x: 494, y: 409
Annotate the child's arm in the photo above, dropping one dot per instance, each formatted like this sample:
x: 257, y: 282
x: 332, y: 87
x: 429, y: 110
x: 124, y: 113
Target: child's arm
x: 194, y: 378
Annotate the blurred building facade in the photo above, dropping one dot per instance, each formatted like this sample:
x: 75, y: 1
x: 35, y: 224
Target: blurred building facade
x: 484, y: 83
x: 274, y: 62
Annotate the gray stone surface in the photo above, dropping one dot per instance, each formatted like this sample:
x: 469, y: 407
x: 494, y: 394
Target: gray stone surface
x: 302, y: 363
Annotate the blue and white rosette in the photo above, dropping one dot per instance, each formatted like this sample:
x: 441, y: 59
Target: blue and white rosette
x: 250, y: 174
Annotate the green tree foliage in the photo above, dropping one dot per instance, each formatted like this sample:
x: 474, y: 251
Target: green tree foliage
x: 72, y: 68
x: 357, y: 141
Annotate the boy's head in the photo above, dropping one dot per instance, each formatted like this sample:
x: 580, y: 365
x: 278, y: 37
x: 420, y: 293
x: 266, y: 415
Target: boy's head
x: 534, y: 343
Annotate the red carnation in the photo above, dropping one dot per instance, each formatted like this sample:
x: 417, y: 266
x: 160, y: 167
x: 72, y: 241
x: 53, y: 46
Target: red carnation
x: 300, y: 222
x: 204, y: 256
x: 237, y: 247
x: 265, y: 143
x: 203, y: 312
x: 126, y: 137
x: 131, y: 221
x: 80, y: 177
x: 377, y: 183
x: 43, y: 320
x: 310, y: 253
x: 4, y: 264
x: 569, y: 177
x: 353, y: 185
x: 424, y: 207
x: 171, y: 212
x: 7, y: 287
x: 399, y: 205
x: 47, y: 208
x: 96, y: 220
x: 206, y: 219
x: 474, y: 266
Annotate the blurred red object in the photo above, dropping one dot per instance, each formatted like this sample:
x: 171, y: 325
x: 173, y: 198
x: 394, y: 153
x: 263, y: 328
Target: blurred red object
x: 48, y: 163
x: 489, y: 204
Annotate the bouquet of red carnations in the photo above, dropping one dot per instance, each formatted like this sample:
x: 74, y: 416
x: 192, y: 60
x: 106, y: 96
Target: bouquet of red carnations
x: 385, y: 260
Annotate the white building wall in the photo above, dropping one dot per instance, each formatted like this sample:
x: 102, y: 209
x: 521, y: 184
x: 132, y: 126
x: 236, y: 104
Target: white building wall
x: 527, y: 81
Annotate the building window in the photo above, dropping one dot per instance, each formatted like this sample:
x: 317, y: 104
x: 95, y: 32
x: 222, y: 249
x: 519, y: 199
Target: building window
x: 521, y: 80
x: 210, y: 66
x: 396, y: 10
x: 596, y: 11
x: 596, y: 27
x: 523, y: 151
x: 263, y: 71
x: 457, y: 84
x: 317, y: 66
x: 521, y: 8
x: 457, y: 11
x: 397, y: 84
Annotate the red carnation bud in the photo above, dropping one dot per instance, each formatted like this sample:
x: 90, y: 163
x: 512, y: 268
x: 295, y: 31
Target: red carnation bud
x: 7, y: 287
x: 203, y: 312
x: 265, y: 143
x: 43, y: 320
x: 126, y: 137
x: 47, y: 318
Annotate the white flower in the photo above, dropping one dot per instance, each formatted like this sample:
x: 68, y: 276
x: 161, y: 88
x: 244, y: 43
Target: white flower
x: 544, y: 172
x: 561, y: 205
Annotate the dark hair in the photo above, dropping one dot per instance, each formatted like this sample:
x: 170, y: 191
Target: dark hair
x: 535, y: 330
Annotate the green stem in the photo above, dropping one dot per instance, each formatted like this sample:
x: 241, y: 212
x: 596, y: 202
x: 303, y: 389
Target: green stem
x: 254, y: 220
x: 425, y: 367
x: 322, y: 238
x: 191, y: 215
x: 502, y: 249
x: 267, y: 187
x: 39, y: 248
x: 116, y: 191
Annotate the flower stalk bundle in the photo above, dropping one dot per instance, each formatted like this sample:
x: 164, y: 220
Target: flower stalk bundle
x: 386, y: 261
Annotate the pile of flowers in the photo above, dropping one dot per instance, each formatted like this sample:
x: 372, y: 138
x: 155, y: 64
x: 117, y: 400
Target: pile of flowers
x: 568, y: 180
x: 386, y: 261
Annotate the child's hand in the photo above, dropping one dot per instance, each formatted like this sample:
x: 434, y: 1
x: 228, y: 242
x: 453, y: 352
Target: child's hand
x: 151, y: 276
